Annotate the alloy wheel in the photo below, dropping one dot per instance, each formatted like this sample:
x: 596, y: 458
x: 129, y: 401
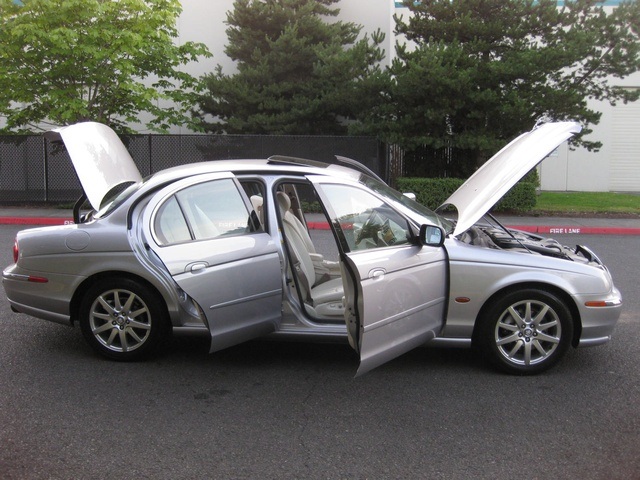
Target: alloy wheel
x: 120, y: 320
x: 528, y: 332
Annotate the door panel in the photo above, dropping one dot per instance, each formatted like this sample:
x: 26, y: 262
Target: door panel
x: 236, y: 281
x: 395, y: 289
x: 403, y: 292
x: 201, y: 228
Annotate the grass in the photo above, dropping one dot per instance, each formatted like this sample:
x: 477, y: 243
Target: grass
x: 588, y: 202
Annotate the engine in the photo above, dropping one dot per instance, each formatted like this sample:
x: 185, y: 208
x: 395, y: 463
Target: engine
x: 489, y: 236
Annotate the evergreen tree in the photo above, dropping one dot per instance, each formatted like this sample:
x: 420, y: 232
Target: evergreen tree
x: 296, y: 73
x: 475, y: 73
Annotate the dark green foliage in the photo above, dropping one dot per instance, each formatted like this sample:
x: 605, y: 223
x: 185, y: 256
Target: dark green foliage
x: 433, y: 192
x: 296, y: 72
x: 480, y: 72
x: 521, y: 198
x: 430, y: 192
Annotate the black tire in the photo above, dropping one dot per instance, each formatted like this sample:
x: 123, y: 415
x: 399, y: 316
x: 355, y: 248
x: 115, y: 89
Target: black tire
x: 123, y: 319
x: 525, y: 332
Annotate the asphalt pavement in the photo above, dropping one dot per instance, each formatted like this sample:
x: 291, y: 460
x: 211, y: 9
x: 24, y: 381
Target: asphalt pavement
x: 600, y: 225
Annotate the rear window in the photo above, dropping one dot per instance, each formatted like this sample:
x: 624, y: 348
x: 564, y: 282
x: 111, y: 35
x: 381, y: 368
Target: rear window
x: 117, y: 196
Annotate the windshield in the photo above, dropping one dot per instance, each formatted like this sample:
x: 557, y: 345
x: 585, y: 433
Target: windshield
x: 396, y: 197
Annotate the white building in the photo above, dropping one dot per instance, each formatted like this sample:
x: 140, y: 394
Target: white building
x: 616, y: 167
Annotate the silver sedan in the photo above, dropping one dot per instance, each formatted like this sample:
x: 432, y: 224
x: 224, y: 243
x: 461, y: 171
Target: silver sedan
x: 229, y: 250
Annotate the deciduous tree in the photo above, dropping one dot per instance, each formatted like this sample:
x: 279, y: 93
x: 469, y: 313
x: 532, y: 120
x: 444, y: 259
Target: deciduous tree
x: 67, y: 61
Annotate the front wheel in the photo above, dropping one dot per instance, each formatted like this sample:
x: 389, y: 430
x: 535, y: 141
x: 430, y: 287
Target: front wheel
x: 122, y: 319
x: 526, y: 332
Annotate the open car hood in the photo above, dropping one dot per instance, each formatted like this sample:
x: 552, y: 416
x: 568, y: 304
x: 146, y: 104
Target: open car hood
x: 100, y: 159
x: 502, y: 171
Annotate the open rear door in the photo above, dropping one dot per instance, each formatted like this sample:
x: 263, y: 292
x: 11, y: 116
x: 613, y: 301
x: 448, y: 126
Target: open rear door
x: 203, y: 230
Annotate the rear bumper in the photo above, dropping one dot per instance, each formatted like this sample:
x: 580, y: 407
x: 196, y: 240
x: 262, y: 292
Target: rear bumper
x: 43, y: 314
x: 48, y: 300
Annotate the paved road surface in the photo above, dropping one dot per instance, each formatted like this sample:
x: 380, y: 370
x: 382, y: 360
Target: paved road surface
x: 281, y: 410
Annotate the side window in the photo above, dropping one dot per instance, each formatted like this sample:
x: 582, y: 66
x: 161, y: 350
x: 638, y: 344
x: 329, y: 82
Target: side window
x: 364, y: 221
x: 170, y: 225
x: 203, y: 211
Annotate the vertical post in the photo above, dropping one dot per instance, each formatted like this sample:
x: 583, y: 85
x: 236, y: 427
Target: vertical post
x: 150, y: 156
x: 46, y: 169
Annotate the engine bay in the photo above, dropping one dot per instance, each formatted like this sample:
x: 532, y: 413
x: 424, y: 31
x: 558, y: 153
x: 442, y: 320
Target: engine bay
x: 498, y: 237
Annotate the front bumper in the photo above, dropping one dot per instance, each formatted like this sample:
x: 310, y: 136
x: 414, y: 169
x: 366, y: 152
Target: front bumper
x: 598, y: 322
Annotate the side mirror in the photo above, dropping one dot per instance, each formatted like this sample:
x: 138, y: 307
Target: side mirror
x: 431, y: 236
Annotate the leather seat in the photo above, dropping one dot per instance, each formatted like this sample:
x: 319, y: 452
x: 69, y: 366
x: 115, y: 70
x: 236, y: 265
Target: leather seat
x: 322, y: 294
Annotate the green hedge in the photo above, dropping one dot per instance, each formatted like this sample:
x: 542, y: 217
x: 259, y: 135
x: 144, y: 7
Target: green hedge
x: 432, y: 192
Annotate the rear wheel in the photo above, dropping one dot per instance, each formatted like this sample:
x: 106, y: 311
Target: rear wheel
x: 122, y: 319
x: 526, y: 332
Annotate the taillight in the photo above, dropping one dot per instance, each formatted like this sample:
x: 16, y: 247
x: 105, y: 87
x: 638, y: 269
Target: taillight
x: 37, y: 279
x: 16, y: 252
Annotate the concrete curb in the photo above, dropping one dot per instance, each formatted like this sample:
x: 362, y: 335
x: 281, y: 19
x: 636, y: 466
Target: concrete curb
x: 540, y: 229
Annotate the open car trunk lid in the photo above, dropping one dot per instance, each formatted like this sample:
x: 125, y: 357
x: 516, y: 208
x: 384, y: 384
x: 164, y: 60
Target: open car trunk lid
x: 99, y: 158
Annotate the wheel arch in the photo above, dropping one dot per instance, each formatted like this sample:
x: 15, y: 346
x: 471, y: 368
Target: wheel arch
x: 78, y: 295
x: 552, y: 289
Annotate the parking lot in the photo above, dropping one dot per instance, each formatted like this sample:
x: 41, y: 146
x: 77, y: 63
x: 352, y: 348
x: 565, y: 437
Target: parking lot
x: 285, y: 410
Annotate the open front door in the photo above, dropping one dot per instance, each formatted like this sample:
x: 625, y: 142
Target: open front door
x: 395, y: 289
x: 204, y: 231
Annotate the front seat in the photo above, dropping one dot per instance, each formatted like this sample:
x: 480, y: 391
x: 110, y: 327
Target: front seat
x: 322, y: 298
x: 324, y: 269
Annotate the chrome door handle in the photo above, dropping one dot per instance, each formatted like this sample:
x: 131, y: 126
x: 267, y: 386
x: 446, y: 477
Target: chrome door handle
x: 197, y: 266
x: 377, y: 273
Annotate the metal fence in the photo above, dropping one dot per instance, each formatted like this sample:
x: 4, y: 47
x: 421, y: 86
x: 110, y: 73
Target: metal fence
x: 447, y: 162
x: 34, y: 170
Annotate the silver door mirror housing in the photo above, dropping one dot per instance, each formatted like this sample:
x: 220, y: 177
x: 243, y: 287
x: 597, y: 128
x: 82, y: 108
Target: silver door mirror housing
x: 431, y: 236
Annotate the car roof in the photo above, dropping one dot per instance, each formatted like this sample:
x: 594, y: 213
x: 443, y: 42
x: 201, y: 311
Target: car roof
x: 247, y: 166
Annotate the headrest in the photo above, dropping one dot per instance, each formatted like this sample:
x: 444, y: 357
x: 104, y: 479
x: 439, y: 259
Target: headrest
x: 284, y: 202
x: 256, y: 201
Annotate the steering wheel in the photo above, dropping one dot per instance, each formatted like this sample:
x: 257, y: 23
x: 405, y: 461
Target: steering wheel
x: 371, y: 229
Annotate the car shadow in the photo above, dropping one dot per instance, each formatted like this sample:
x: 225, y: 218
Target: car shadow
x: 283, y: 354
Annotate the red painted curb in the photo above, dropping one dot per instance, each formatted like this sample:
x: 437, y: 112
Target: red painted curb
x: 318, y: 225
x: 555, y: 230
x: 541, y: 229
x: 35, y: 221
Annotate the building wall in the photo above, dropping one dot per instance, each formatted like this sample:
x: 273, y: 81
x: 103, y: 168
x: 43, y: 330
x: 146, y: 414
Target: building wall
x: 615, y: 167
